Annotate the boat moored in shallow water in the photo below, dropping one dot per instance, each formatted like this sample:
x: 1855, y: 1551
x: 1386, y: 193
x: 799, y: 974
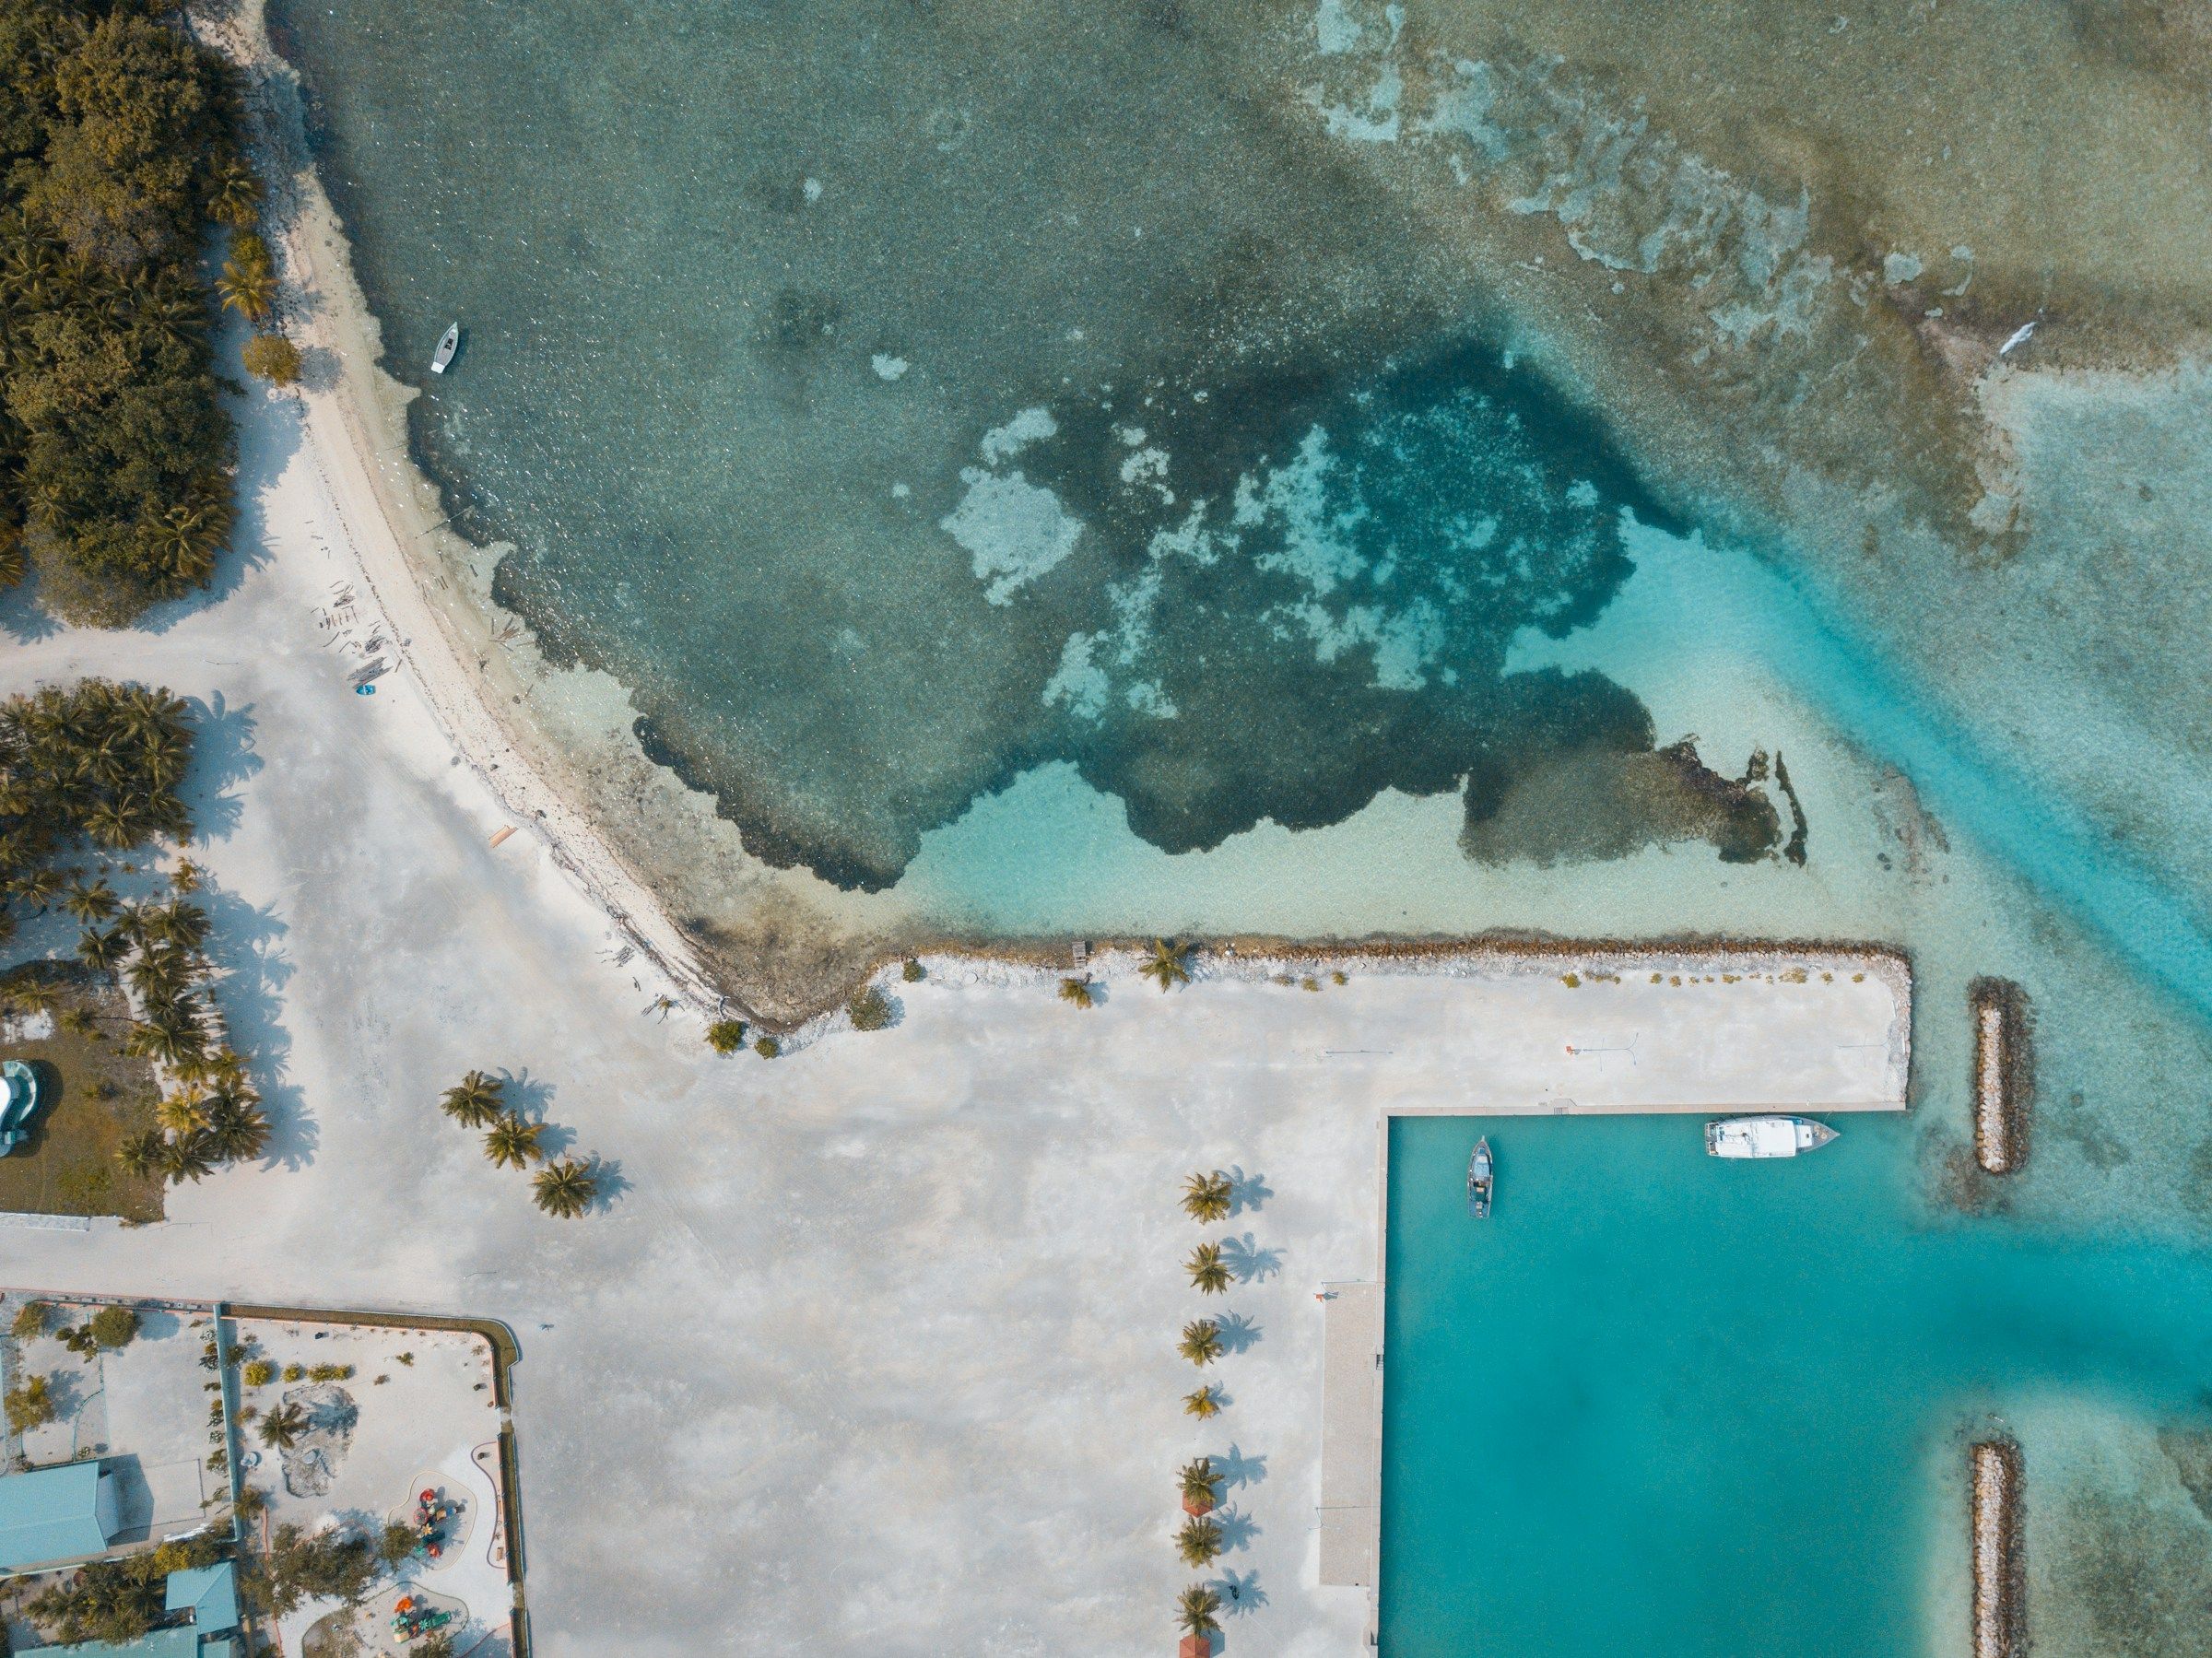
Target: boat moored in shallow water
x: 1479, y: 1180
x: 1765, y: 1136
x: 448, y: 343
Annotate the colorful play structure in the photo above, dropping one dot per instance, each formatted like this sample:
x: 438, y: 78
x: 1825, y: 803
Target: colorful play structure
x: 411, y: 1620
x: 434, y: 1510
x: 18, y: 1103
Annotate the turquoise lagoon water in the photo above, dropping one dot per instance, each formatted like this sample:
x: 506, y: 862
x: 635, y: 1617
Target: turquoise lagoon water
x: 1659, y: 1404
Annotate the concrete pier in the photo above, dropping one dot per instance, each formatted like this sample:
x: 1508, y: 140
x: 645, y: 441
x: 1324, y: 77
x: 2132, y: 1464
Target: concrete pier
x: 1351, y: 1435
x: 1999, y: 1574
x: 2001, y: 1078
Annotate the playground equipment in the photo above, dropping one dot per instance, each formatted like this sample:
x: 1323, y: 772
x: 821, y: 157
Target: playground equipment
x: 18, y: 1103
x: 434, y: 1512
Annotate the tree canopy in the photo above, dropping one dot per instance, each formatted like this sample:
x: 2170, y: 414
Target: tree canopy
x: 119, y: 145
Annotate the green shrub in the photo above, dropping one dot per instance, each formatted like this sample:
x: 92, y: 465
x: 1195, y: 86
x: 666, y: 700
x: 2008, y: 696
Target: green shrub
x: 115, y: 1326
x: 330, y: 1373
x: 272, y: 357
x: 912, y: 973
x: 260, y: 1373
x: 870, y: 1010
x: 30, y: 1405
x: 31, y: 1321
x: 727, y: 1036
x: 295, y: 1372
x: 768, y: 1047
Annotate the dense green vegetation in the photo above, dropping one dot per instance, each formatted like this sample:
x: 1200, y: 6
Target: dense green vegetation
x: 99, y: 762
x: 119, y: 145
x: 117, y: 1600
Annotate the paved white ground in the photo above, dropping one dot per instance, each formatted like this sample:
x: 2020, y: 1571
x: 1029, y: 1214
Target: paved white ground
x: 871, y: 1351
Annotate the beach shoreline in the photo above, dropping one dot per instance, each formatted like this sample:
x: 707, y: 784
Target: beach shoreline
x: 555, y: 746
x: 354, y: 421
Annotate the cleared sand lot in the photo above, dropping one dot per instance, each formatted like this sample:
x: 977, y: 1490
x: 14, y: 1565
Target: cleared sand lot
x: 869, y: 1348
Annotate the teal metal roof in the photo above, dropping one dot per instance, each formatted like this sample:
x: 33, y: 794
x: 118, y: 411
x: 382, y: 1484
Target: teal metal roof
x: 209, y: 1594
x: 161, y: 1643
x: 50, y: 1514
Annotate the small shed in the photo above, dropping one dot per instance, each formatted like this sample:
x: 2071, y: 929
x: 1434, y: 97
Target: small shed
x: 53, y: 1515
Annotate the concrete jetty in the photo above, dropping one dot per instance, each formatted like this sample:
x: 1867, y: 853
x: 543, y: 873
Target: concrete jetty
x: 1999, y: 1576
x: 2002, y: 1080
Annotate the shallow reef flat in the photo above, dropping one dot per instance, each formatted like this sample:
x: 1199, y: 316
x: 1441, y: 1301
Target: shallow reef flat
x: 881, y: 414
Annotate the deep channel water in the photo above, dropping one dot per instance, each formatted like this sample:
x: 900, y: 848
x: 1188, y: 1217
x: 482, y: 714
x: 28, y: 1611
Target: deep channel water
x: 1661, y: 1404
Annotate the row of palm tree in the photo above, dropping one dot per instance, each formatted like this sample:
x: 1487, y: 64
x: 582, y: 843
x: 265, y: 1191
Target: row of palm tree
x: 564, y: 1187
x: 1207, y: 1196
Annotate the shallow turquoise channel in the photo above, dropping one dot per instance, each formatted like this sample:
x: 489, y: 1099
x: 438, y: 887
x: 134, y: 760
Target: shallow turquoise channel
x: 1661, y: 1404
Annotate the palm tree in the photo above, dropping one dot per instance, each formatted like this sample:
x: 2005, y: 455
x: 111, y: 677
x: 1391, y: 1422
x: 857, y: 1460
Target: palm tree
x: 184, y: 539
x: 187, y: 1157
x: 1168, y: 965
x: 1204, y: 1403
x: 182, y: 1113
x: 1201, y: 1342
x: 1078, y: 991
x: 186, y: 878
x: 1209, y: 1273
x: 1195, y: 1609
x: 513, y: 1143
x: 236, y: 1128
x: 234, y: 195
x: 247, y: 286
x: 173, y: 1039
x: 281, y: 1428
x: 1206, y: 1198
x: 1198, y: 1541
x: 36, y: 887
x: 475, y: 1101
x: 91, y: 901
x: 1195, y: 1481
x: 566, y: 1188
x: 140, y: 1154
x: 100, y: 951
x: 178, y: 924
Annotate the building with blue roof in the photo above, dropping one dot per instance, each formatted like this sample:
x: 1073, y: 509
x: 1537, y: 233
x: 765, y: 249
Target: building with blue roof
x: 209, y: 1594
x: 161, y: 1643
x: 50, y: 1516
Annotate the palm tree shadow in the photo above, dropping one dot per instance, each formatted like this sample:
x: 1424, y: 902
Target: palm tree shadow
x: 1238, y: 1528
x: 1238, y: 1333
x: 1232, y: 1467
x: 222, y: 758
x: 1248, y: 1261
x: 553, y: 1139
x: 22, y: 618
x: 1247, y: 1191
x: 526, y: 1095
x: 613, y: 1183
x: 1240, y: 1593
x: 262, y: 462
x: 244, y: 949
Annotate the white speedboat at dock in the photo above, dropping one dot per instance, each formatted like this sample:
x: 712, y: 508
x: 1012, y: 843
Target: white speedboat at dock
x: 1765, y: 1136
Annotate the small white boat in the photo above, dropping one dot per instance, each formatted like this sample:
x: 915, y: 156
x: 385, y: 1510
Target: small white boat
x: 2020, y: 336
x: 448, y: 343
x: 1765, y: 1136
x: 1481, y: 1180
